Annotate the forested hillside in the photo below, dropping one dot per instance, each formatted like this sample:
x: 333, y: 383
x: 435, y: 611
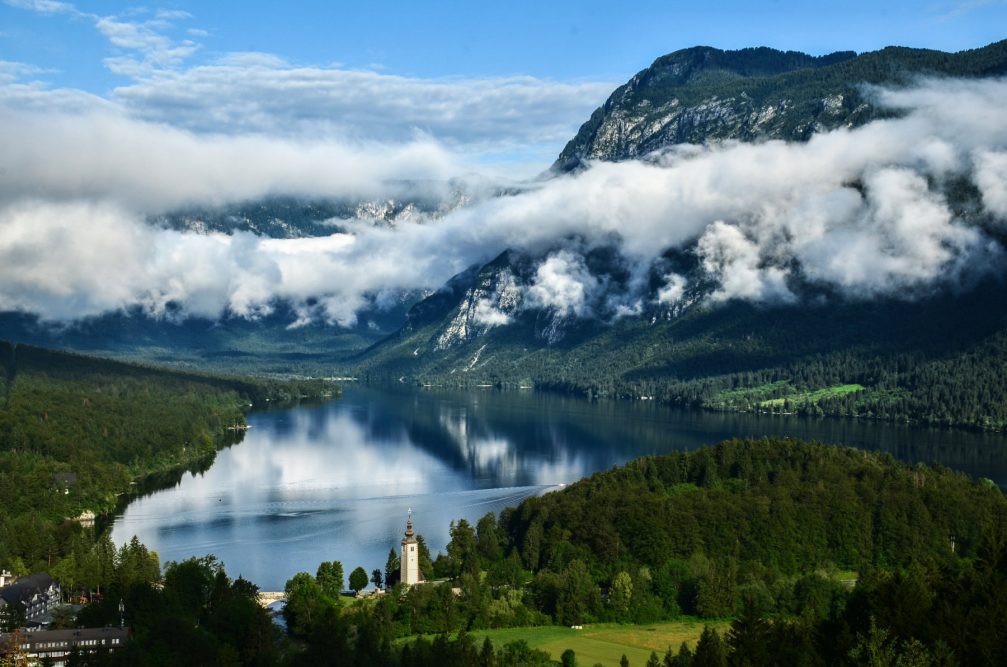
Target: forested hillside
x: 820, y: 554
x: 779, y: 504
x: 76, y: 431
x: 225, y: 345
x: 940, y: 360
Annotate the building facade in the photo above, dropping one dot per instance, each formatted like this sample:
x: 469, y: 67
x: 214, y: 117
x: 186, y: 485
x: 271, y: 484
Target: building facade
x: 55, y: 646
x: 36, y: 594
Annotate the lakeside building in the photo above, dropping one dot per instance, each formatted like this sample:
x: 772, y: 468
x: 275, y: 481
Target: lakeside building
x: 86, y: 518
x: 56, y: 646
x: 409, y: 556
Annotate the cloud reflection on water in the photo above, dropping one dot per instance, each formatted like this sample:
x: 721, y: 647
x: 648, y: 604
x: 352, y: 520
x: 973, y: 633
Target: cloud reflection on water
x: 335, y: 481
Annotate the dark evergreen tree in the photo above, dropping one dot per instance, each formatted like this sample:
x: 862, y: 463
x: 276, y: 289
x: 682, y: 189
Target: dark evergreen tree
x: 392, y: 568
x: 710, y: 650
x: 749, y: 640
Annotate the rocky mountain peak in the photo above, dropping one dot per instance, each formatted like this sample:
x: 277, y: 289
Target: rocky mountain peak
x: 703, y: 95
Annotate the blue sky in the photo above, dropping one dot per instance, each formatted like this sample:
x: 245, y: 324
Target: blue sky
x: 558, y: 39
x: 500, y: 82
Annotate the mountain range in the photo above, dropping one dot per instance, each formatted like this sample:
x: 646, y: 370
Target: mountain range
x: 936, y: 355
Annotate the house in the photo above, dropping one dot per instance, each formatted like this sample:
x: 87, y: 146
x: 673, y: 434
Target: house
x: 36, y: 594
x: 64, y: 480
x: 6, y: 578
x: 54, y: 646
x: 86, y: 518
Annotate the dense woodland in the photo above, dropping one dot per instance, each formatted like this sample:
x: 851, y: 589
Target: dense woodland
x: 778, y: 504
x: 822, y: 556
x: 107, y: 425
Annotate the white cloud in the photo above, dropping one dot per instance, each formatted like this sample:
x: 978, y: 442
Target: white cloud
x: 11, y: 71
x: 673, y: 290
x: 902, y: 238
x: 991, y: 178
x: 156, y: 49
x: 858, y: 210
x: 103, y: 156
x: 488, y: 315
x: 44, y: 6
x: 522, y: 120
x: 262, y: 94
x: 147, y: 46
x: 564, y: 284
x: 736, y: 263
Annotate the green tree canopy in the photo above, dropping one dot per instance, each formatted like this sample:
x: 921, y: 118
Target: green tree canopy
x: 358, y: 579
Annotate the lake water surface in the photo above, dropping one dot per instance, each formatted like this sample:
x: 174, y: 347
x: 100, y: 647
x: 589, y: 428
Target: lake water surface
x: 335, y: 481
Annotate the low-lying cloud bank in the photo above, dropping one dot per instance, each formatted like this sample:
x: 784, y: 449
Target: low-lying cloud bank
x: 863, y: 211
x: 147, y: 167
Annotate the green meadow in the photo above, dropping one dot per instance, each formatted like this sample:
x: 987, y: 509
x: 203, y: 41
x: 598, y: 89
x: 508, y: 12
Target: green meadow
x: 606, y: 643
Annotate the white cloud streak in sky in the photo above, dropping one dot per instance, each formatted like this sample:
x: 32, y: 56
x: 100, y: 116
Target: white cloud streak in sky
x: 149, y: 167
x: 261, y: 94
x: 857, y: 210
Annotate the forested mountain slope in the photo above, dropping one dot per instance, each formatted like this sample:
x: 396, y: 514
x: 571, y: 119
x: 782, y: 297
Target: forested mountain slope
x: 228, y: 344
x: 941, y: 361
x: 75, y: 431
x: 585, y: 315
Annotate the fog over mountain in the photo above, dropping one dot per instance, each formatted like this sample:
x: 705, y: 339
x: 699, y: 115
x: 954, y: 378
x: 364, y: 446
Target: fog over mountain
x: 862, y: 210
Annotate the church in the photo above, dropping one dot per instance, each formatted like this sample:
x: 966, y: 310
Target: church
x: 409, y: 556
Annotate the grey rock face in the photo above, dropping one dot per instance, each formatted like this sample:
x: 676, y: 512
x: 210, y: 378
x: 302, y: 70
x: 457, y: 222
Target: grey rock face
x: 705, y: 95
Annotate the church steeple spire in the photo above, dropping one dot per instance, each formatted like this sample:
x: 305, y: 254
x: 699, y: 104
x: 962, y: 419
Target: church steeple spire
x: 409, y: 525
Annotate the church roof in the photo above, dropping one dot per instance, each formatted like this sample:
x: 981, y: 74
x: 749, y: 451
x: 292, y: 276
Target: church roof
x: 410, y: 535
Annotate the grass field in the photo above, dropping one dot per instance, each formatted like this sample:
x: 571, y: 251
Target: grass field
x: 606, y: 643
x: 814, y: 396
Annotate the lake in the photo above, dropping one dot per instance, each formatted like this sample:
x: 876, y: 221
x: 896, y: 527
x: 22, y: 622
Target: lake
x: 335, y: 481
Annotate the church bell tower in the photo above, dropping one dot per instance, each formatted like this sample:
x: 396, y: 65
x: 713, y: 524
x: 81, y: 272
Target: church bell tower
x: 409, y: 559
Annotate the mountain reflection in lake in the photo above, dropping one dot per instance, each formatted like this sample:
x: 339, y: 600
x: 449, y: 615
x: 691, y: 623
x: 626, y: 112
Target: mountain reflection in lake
x: 334, y: 482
